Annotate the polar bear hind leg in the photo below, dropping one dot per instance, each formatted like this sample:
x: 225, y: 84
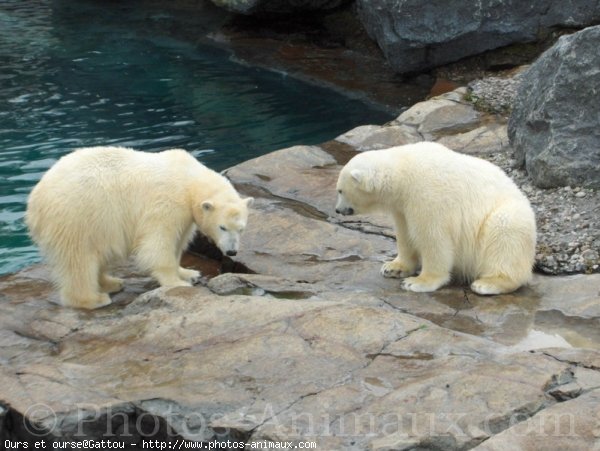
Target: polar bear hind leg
x: 79, y: 282
x: 508, y: 248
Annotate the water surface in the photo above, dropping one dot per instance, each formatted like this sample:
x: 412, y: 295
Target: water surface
x: 85, y: 73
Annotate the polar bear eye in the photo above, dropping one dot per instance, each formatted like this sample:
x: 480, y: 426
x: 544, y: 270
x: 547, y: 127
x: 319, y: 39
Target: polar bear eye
x: 339, y: 191
x: 223, y: 228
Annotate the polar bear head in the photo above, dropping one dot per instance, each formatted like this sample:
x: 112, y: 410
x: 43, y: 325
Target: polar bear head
x: 223, y: 220
x: 357, y: 187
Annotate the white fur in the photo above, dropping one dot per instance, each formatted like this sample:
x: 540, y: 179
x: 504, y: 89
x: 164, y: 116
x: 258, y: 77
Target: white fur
x: 101, y: 204
x: 453, y: 213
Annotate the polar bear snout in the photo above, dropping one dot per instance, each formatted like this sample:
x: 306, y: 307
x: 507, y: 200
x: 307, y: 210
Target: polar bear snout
x: 347, y: 211
x: 342, y: 206
x: 227, y: 238
x: 229, y: 243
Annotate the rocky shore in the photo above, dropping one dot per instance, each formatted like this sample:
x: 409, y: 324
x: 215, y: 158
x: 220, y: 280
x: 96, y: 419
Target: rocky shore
x: 306, y: 341
x: 300, y: 338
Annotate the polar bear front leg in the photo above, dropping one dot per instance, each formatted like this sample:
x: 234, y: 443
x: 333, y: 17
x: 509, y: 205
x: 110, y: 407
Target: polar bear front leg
x: 159, y: 254
x: 188, y: 275
x: 406, y: 262
x: 168, y: 276
x: 436, y: 267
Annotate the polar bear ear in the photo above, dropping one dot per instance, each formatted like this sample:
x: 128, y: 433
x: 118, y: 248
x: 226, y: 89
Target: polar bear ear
x: 249, y: 201
x: 357, y: 175
x: 364, y: 179
x: 207, y: 205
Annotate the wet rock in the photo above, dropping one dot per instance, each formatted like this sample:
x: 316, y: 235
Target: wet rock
x: 568, y: 425
x: 416, y: 35
x: 345, y: 371
x: 388, y: 394
x: 276, y: 6
x: 552, y: 127
x: 331, y: 51
x: 584, y: 358
x: 259, y: 285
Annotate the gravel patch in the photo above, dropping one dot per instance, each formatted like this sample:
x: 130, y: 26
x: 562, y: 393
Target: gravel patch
x: 495, y: 94
x: 567, y: 218
x: 567, y: 223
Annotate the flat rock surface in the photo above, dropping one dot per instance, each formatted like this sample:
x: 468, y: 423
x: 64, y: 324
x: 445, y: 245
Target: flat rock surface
x: 308, y: 342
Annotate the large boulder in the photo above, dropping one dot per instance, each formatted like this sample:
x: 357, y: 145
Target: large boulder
x: 276, y: 6
x: 554, y: 124
x: 416, y: 35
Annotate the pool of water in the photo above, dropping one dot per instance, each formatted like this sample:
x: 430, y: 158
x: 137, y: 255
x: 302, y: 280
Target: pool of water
x: 83, y: 73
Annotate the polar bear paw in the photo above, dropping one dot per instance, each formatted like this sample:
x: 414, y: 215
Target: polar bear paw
x: 424, y: 284
x: 110, y: 284
x: 493, y: 285
x: 189, y: 275
x: 396, y: 269
x: 170, y: 279
x: 90, y: 302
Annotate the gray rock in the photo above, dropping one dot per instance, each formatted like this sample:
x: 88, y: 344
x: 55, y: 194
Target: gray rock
x: 442, y: 115
x: 276, y: 6
x: 372, y: 137
x: 416, y: 35
x: 486, y: 139
x: 554, y: 125
x: 259, y: 285
x: 572, y: 425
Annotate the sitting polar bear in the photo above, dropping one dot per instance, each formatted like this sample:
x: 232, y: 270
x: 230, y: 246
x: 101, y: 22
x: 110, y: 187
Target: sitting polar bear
x: 453, y: 214
x: 101, y: 204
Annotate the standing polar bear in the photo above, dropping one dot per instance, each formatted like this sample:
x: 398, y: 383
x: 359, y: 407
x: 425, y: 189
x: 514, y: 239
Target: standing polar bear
x: 98, y: 205
x: 453, y: 214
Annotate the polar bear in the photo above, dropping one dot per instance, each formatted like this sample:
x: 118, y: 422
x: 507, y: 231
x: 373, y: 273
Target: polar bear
x: 99, y: 205
x: 453, y: 214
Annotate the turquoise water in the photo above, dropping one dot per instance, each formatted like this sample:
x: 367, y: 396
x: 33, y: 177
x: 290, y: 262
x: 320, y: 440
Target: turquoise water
x: 84, y: 73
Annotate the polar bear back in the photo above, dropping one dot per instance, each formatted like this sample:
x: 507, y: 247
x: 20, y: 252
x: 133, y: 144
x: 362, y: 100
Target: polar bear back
x: 430, y: 177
